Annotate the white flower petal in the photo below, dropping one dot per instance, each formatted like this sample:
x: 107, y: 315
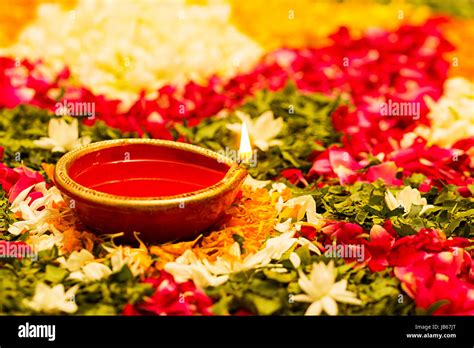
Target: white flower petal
x: 329, y: 305
x: 94, y: 271
x: 254, y: 183
x: 262, y: 129
x: 52, y: 300
x: 314, y: 309
x: 295, y: 260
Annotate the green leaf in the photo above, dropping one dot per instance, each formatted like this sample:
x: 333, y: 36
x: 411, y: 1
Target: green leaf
x: 265, y: 306
x: 123, y: 275
x: 280, y: 277
x: 55, y: 274
x: 304, y: 255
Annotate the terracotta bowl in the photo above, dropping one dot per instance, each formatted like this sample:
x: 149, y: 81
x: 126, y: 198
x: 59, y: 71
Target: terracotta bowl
x: 163, y: 189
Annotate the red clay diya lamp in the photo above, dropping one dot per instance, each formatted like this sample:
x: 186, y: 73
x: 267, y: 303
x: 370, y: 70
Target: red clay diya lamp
x: 163, y: 189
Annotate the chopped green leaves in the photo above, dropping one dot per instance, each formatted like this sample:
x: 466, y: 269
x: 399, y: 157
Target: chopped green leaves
x: 364, y: 204
x: 21, y: 126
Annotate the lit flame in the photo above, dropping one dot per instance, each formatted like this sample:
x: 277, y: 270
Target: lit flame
x: 245, y: 150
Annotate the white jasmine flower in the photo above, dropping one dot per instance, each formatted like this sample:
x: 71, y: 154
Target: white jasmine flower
x: 197, y: 272
x: 76, y: 260
x: 62, y: 136
x: 262, y: 130
x: 204, y: 273
x: 53, y: 300
x: 273, y: 250
x: 192, y: 41
x: 277, y: 187
x: 137, y: 259
x: 303, y: 241
x: 307, y: 206
x: 35, y: 221
x: 452, y: 116
x: 91, y: 272
x: 405, y: 199
x: 322, y: 292
x: 83, y: 268
x: 283, y: 226
x: 46, y: 241
x: 37, y: 214
x: 254, y: 183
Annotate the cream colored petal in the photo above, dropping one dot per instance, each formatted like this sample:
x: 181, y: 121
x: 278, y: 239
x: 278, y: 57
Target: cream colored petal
x: 283, y: 226
x: 244, y: 118
x: 235, y: 127
x: 303, y: 241
x: 82, y: 141
x: 302, y: 298
x: 274, y: 142
x: 339, y: 287
x: 329, y: 305
x: 425, y: 208
x: 78, y: 275
x: 410, y: 196
x: 202, y: 278
x: 314, y: 309
x: 78, y: 259
x: 95, y: 271
x: 295, y: 260
x: 45, y: 143
x: 391, y: 201
x: 264, y: 120
x: 261, y: 144
x: 73, y: 128
x: 348, y: 299
x: 54, y: 127
x: 258, y: 259
x: 254, y: 183
x: 187, y: 257
x: 267, y: 126
x: 181, y: 273
x: 323, y: 275
x: 307, y: 286
x: 235, y: 250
